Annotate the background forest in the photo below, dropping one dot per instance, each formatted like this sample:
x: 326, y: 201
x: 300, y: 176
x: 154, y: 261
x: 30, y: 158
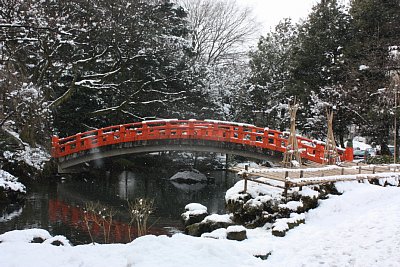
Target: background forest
x: 70, y: 66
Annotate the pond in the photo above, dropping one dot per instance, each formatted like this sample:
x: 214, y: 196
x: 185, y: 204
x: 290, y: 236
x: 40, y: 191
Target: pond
x: 58, y: 206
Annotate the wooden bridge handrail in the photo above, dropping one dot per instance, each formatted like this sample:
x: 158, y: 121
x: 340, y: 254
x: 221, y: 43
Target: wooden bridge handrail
x: 245, y: 134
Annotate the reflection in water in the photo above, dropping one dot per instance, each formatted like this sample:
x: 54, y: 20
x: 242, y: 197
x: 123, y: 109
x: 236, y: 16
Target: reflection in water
x: 188, y: 187
x: 126, y: 184
x: 10, y: 212
x: 61, y: 212
x: 57, y: 207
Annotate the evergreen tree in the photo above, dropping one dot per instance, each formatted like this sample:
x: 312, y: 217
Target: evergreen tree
x: 376, y: 29
x: 96, y: 63
x: 269, y: 87
x: 320, y: 70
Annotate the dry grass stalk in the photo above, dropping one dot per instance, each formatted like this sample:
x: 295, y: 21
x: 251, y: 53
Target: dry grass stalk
x: 139, y: 211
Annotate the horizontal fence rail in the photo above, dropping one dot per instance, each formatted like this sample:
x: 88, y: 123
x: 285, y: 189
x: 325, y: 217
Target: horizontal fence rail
x: 212, y: 130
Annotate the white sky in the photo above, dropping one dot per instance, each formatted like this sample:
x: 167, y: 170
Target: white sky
x: 270, y: 12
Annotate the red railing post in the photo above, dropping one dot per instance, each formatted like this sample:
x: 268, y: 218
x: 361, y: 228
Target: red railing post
x: 319, y: 153
x: 168, y: 129
x: 78, y: 143
x: 122, y: 132
x: 100, y: 138
x: 191, y: 129
x: 253, y: 135
x: 348, y: 154
x: 265, y: 138
x: 55, y: 146
x: 216, y: 132
x: 209, y: 131
x: 145, y: 131
x: 231, y: 132
x: 276, y: 140
x: 240, y: 134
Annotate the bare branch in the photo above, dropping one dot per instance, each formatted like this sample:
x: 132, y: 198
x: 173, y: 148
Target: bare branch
x: 219, y: 27
x: 67, y: 95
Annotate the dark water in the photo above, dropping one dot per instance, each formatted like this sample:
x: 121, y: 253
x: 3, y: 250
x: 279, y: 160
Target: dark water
x: 59, y: 205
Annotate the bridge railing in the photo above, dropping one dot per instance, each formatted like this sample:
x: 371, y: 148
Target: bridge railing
x: 211, y: 130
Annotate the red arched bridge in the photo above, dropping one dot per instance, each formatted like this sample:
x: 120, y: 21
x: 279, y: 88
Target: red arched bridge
x: 181, y: 135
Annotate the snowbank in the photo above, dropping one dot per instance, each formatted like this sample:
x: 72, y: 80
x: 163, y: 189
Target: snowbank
x: 225, y: 218
x: 308, y: 192
x: 216, y: 234
x: 357, y: 228
x: 147, y: 251
x: 254, y: 189
x: 24, y: 236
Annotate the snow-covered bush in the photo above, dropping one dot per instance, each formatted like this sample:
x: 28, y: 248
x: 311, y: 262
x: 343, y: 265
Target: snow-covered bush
x: 10, y: 183
x: 28, y: 112
x: 10, y: 188
x: 33, y: 236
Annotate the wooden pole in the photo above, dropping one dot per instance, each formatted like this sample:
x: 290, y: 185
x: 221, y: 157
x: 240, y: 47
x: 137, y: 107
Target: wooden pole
x: 246, y: 167
x: 395, y: 124
x: 285, y: 191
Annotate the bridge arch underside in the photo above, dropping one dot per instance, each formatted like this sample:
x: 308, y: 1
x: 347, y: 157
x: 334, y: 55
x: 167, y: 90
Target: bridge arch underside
x: 69, y: 163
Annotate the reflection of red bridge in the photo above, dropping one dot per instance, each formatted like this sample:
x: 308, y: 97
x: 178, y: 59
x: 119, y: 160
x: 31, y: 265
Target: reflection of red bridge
x: 190, y: 135
x: 73, y: 216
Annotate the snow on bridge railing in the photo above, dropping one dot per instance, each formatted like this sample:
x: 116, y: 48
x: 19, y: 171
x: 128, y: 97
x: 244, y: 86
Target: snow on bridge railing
x: 211, y: 130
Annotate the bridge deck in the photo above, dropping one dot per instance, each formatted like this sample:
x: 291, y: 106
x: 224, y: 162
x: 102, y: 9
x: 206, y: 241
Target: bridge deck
x: 245, y: 137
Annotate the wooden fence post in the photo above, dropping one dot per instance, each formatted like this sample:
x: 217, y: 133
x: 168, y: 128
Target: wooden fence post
x: 246, y: 167
x: 285, y: 191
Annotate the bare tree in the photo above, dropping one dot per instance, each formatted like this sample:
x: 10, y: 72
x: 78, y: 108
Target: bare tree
x: 219, y: 28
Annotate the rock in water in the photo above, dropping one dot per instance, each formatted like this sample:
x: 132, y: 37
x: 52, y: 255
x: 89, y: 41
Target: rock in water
x: 192, y: 176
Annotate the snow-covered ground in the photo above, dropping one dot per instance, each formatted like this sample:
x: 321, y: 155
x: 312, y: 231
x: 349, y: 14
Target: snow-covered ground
x: 358, y: 228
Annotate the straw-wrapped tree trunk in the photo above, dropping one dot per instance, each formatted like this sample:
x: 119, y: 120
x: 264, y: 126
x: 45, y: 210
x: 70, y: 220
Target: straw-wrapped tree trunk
x: 291, y: 156
x: 331, y: 155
